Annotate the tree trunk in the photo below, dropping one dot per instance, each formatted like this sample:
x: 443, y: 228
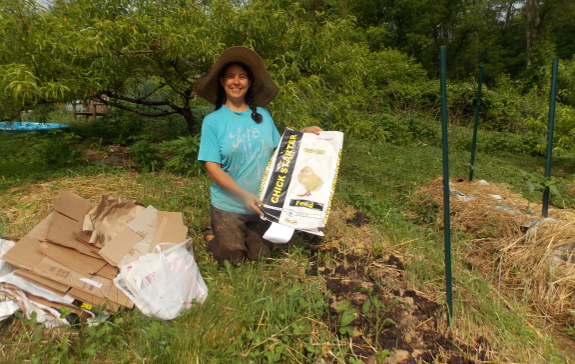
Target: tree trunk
x: 189, y: 117
x: 531, y: 28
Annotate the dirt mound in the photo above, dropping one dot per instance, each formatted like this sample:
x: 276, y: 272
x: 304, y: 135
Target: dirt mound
x: 384, y: 321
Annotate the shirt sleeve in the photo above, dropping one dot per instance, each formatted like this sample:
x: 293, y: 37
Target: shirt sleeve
x: 209, y: 144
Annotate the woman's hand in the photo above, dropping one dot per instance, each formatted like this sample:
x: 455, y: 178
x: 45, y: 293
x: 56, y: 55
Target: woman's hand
x: 252, y: 203
x: 312, y: 129
x: 227, y: 183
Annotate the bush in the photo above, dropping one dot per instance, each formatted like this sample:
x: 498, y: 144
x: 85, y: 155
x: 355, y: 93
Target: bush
x: 146, y: 154
x: 403, y: 129
x: 33, y: 154
x: 121, y: 127
x: 183, y: 154
x: 496, y: 142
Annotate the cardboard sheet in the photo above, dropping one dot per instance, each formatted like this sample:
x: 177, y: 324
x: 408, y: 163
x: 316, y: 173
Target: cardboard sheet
x: 72, y: 205
x: 73, y: 259
x: 61, y: 232
x: 39, y: 231
x: 137, y: 230
x: 25, y: 254
x: 56, y: 287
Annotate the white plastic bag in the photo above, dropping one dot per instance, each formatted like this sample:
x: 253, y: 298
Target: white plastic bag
x: 163, y: 283
x: 5, y: 267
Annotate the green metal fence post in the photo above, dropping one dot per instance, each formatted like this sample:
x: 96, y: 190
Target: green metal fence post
x: 549, y: 154
x: 446, y: 209
x: 475, y: 123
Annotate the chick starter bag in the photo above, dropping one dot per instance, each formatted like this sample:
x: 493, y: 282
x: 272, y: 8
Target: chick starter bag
x: 299, y: 181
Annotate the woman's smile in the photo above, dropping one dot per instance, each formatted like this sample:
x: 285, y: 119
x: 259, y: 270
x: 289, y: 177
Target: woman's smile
x: 235, y: 83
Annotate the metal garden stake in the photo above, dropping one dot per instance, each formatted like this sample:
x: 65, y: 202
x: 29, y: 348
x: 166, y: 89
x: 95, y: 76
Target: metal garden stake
x: 446, y: 209
x: 549, y: 154
x: 475, y: 123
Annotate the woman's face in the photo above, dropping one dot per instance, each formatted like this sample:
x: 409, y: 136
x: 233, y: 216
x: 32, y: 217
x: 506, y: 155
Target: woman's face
x: 235, y: 83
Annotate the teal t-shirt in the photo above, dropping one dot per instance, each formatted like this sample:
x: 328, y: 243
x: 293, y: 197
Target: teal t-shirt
x: 242, y: 147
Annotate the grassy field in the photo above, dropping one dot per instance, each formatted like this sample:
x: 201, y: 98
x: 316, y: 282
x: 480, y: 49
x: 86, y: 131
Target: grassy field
x: 274, y: 311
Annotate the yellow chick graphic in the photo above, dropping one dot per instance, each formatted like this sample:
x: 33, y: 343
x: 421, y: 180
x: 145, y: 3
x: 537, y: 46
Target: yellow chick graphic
x: 310, y: 181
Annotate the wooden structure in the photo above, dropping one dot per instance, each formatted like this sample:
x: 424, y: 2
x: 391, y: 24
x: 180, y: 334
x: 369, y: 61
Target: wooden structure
x: 89, y: 108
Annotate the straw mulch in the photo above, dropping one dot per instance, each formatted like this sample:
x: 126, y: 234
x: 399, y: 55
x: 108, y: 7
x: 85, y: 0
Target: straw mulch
x: 21, y: 208
x: 531, y: 258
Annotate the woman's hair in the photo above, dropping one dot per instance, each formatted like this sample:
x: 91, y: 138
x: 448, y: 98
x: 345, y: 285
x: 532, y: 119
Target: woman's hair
x: 249, y: 94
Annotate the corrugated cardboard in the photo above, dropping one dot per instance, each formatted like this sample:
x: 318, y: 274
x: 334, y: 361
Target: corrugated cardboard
x: 55, y: 271
x: 73, y: 309
x: 170, y: 230
x: 73, y: 206
x: 56, y: 287
x: 90, y: 301
x: 39, y: 231
x: 61, y: 232
x: 131, y: 235
x: 108, y: 271
x: 112, y: 293
x: 25, y: 254
x: 95, y: 285
x: 73, y: 259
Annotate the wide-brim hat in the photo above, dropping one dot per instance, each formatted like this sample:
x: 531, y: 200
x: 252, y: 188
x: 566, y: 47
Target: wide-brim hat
x: 263, y: 87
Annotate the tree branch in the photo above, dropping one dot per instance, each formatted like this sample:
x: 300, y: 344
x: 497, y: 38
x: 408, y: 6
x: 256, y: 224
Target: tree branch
x: 15, y: 115
x: 141, y: 112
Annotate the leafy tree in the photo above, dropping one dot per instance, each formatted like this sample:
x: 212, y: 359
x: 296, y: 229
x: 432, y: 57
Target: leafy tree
x: 146, y: 55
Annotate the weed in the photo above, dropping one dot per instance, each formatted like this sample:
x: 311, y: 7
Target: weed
x: 346, y: 316
x: 183, y: 154
x: 537, y: 182
x: 146, y: 154
x: 374, y: 311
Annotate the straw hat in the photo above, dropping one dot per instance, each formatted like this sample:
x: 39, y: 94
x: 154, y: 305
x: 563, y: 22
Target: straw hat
x: 263, y: 87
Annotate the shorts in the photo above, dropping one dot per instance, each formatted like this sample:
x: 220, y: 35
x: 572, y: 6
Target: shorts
x: 238, y: 237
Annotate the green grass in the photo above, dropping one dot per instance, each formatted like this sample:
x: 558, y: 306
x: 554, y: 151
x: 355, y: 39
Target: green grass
x: 272, y: 311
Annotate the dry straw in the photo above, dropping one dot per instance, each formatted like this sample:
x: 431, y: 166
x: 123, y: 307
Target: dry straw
x: 531, y: 258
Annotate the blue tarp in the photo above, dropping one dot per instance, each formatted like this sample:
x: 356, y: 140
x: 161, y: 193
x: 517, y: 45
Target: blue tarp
x: 14, y: 127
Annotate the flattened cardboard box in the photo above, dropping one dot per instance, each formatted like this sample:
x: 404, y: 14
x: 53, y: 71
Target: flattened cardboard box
x: 61, y: 232
x: 73, y: 259
x: 25, y: 254
x: 97, y: 286
x: 72, y: 205
x: 43, y: 282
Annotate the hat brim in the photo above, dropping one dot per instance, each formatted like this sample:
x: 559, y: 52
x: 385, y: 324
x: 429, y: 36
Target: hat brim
x: 263, y: 87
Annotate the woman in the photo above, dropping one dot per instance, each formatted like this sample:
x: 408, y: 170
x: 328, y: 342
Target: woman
x: 237, y: 142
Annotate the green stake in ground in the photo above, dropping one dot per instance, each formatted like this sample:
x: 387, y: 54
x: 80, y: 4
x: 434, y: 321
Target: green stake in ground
x: 549, y: 154
x: 475, y: 123
x: 446, y: 219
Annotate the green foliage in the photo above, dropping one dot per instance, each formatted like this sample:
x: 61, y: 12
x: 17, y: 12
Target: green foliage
x: 33, y: 154
x: 368, y: 204
x: 346, y: 316
x: 183, y: 155
x: 147, y: 155
x: 403, y: 130
x: 496, y: 142
x: 374, y: 311
x: 121, y: 127
x: 537, y: 182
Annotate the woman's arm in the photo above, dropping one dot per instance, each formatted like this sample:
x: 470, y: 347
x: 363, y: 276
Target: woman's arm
x: 218, y: 175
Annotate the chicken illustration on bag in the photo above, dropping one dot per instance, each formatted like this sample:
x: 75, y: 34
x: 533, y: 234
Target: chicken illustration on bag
x: 310, y: 181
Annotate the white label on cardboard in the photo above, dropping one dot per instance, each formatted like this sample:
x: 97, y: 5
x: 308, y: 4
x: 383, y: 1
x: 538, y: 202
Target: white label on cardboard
x: 91, y: 282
